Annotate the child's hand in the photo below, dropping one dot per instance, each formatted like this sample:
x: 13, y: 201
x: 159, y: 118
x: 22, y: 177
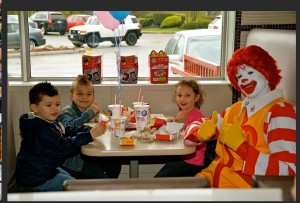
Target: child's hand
x: 97, y: 130
x: 181, y: 116
x: 95, y: 108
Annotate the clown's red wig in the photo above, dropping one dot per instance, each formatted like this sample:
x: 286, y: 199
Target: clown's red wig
x: 257, y: 58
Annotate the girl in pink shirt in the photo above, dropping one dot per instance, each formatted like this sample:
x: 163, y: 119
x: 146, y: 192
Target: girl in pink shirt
x: 189, y: 97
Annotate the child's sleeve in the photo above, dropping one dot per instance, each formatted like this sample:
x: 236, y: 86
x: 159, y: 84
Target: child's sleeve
x: 69, y: 118
x: 190, y: 135
x: 191, y: 130
x: 62, y: 147
x: 74, y: 138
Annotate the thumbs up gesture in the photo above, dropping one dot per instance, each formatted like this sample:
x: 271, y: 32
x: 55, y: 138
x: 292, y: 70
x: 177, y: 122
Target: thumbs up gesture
x: 231, y: 134
x: 208, y: 128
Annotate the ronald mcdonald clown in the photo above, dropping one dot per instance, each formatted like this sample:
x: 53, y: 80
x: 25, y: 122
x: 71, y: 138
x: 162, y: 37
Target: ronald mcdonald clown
x: 256, y: 136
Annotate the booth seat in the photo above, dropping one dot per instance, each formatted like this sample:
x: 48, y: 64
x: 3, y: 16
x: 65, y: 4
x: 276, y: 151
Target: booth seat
x: 285, y: 183
x: 281, y: 44
x: 136, y: 183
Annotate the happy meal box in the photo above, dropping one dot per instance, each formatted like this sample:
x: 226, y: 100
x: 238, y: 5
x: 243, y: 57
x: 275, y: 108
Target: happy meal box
x: 159, y: 67
x: 169, y: 131
x: 92, y: 67
x: 129, y: 69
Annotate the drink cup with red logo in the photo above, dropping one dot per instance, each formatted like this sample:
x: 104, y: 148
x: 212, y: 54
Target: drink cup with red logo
x: 142, y: 115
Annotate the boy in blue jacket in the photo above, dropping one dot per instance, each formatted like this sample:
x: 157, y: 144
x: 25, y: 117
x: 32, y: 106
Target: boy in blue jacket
x: 46, y: 143
x: 81, y: 110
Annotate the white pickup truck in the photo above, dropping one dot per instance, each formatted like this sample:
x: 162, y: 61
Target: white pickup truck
x: 93, y: 32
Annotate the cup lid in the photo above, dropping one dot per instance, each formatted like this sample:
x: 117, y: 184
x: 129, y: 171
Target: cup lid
x: 117, y: 105
x: 141, y: 106
x: 139, y: 103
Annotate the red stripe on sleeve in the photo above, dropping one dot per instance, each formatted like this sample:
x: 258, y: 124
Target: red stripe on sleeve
x: 273, y: 167
x: 282, y: 134
x: 283, y: 111
x: 251, y: 160
x: 242, y: 150
x: 284, y: 156
x: 291, y: 172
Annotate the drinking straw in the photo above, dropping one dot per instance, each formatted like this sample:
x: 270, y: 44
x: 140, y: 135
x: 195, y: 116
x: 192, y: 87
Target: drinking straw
x: 142, y: 100
x: 120, y: 108
x: 115, y: 99
x: 139, y: 98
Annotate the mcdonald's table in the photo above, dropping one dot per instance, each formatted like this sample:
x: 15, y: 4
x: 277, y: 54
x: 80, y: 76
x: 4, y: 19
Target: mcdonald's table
x: 107, y: 145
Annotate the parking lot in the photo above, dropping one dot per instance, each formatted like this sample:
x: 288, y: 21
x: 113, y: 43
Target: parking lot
x: 70, y: 64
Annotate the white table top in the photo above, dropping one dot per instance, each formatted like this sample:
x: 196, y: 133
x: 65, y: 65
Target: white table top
x: 107, y: 145
x: 198, y: 194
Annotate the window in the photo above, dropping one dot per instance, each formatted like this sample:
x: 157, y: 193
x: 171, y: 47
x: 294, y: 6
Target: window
x: 172, y: 44
x: 179, y: 48
x: 208, y: 48
x: 41, y: 16
x: 57, y: 17
x: 95, y: 21
x: 134, y: 20
x: 71, y: 18
x: 13, y: 27
x: 67, y: 65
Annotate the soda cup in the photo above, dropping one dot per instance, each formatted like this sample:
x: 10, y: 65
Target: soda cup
x: 114, y: 111
x: 142, y: 115
x: 119, y: 123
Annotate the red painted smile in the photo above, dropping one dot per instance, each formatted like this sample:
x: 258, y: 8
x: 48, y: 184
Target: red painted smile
x: 249, y: 88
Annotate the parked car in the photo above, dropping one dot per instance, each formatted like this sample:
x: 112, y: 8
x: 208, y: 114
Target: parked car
x: 50, y: 21
x: 200, y: 43
x: 216, y: 23
x: 15, y: 19
x: 76, y: 19
x: 36, y: 37
x: 93, y: 32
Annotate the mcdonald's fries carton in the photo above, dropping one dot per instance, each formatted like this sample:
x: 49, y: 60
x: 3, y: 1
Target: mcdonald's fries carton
x: 92, y: 66
x: 129, y: 69
x: 159, y: 67
x: 128, y: 138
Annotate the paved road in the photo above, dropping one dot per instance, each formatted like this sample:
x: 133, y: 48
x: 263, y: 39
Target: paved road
x: 70, y: 65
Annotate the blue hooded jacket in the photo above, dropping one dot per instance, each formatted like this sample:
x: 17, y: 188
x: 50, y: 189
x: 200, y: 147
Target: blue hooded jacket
x: 44, y: 147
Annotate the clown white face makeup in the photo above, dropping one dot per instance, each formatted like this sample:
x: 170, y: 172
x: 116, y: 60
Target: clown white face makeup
x: 251, y: 82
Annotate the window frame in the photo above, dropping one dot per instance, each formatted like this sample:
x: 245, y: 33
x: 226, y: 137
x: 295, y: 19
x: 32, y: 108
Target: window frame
x: 227, y: 48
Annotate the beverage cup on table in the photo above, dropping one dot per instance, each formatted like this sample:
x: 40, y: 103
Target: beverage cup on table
x: 142, y: 116
x: 119, y: 124
x: 114, y: 111
x: 142, y: 103
x: 139, y: 103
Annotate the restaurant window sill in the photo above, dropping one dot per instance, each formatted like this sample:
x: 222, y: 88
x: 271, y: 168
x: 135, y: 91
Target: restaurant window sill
x: 115, y: 83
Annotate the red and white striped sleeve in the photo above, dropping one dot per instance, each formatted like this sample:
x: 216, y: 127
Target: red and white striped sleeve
x: 190, y: 135
x: 280, y: 134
